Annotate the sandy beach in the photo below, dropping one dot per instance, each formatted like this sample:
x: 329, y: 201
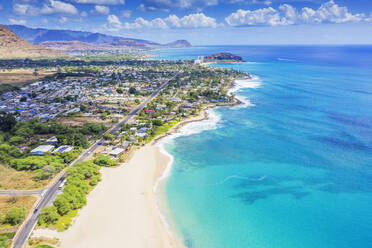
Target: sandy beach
x: 124, y: 210
x: 121, y: 210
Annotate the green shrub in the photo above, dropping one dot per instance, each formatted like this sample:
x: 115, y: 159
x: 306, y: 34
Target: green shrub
x: 48, y: 216
x: 15, y: 216
x: 103, y: 160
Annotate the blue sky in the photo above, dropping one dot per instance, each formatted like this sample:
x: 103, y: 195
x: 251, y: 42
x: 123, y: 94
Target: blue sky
x: 203, y: 22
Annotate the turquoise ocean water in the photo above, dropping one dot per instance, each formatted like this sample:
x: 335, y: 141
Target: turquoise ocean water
x: 289, y: 168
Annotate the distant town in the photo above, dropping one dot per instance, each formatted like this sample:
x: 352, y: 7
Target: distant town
x: 97, y: 110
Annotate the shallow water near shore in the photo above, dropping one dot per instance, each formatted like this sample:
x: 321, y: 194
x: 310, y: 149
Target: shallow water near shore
x: 289, y: 168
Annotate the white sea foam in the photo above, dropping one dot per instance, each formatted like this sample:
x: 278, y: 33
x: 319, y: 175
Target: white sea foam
x: 194, y: 127
x: 188, y: 129
x: 239, y: 84
x: 198, y: 127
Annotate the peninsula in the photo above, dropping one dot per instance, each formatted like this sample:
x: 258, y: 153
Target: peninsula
x: 223, y: 58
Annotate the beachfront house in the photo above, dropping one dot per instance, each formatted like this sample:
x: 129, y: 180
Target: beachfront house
x: 116, y: 152
x: 41, y: 150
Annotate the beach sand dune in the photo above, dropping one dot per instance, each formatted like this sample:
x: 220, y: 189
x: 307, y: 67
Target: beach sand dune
x: 121, y: 210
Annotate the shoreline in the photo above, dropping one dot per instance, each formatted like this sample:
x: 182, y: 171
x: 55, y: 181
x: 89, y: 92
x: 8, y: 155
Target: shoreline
x: 145, y: 174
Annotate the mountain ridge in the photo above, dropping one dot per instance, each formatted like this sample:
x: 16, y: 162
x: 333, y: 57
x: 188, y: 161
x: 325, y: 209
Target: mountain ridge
x: 49, y: 36
x: 12, y: 46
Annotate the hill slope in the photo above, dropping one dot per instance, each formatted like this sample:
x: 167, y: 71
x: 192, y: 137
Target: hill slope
x: 12, y: 46
x: 69, y: 38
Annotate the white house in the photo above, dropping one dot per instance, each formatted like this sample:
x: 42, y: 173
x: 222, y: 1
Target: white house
x: 41, y: 150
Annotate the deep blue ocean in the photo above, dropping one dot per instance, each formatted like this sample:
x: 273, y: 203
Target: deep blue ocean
x: 292, y: 166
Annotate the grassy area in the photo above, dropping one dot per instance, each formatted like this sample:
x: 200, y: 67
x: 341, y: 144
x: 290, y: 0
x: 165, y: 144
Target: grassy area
x: 19, y: 77
x: 19, y: 180
x: 6, y: 239
x: 162, y: 130
x: 42, y: 243
x: 8, y: 202
x: 64, y: 222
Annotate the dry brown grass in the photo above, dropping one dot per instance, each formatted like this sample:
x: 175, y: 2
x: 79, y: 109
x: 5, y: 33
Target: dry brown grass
x: 18, y: 180
x: 21, y: 77
x: 8, y: 202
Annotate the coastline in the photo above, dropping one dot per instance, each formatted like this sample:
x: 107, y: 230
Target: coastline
x: 109, y: 220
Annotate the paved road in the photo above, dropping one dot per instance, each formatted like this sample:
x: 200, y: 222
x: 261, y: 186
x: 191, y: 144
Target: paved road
x: 21, y: 192
x: 25, y: 230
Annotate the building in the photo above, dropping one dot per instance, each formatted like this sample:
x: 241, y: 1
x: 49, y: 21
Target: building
x: 41, y: 150
x: 63, y: 149
x: 116, y: 151
x: 52, y: 141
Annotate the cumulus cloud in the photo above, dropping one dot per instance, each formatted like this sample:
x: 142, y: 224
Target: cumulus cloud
x: 50, y: 7
x: 286, y: 14
x: 100, y: 9
x: 1, y: 7
x: 172, y: 21
x: 99, y: 2
x: 58, y: 7
x: 113, y: 23
x: 25, y: 9
x: 166, y: 5
x: 17, y: 22
x: 83, y: 14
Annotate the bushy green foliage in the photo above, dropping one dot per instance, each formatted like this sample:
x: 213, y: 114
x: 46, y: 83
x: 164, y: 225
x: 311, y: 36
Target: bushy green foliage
x: 77, y: 187
x: 68, y: 157
x: 94, y: 180
x: 15, y: 216
x: 37, y: 162
x: 157, y: 122
x: 103, y: 160
x: 93, y: 129
x: 63, y: 205
x: 5, y: 239
x: 16, y: 140
x: 49, y: 215
x: 108, y: 136
x: 7, y: 122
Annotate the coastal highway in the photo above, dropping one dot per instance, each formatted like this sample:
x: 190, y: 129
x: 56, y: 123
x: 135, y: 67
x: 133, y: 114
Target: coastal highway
x: 50, y: 193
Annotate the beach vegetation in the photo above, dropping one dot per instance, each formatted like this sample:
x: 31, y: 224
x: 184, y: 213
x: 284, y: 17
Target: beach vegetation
x: 103, y: 160
x: 49, y: 215
x: 79, y: 181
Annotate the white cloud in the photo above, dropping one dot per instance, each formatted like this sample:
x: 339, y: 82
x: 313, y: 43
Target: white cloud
x: 58, y: 7
x: 172, y: 21
x: 25, y: 9
x: 286, y: 14
x: 1, y: 7
x: 166, y: 5
x: 63, y: 20
x: 84, y: 14
x: 50, y: 7
x: 17, y: 22
x: 369, y: 19
x: 126, y: 14
x: 99, y: 2
x: 192, y: 21
x: 100, y: 9
x: 113, y: 23
x: 329, y: 12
